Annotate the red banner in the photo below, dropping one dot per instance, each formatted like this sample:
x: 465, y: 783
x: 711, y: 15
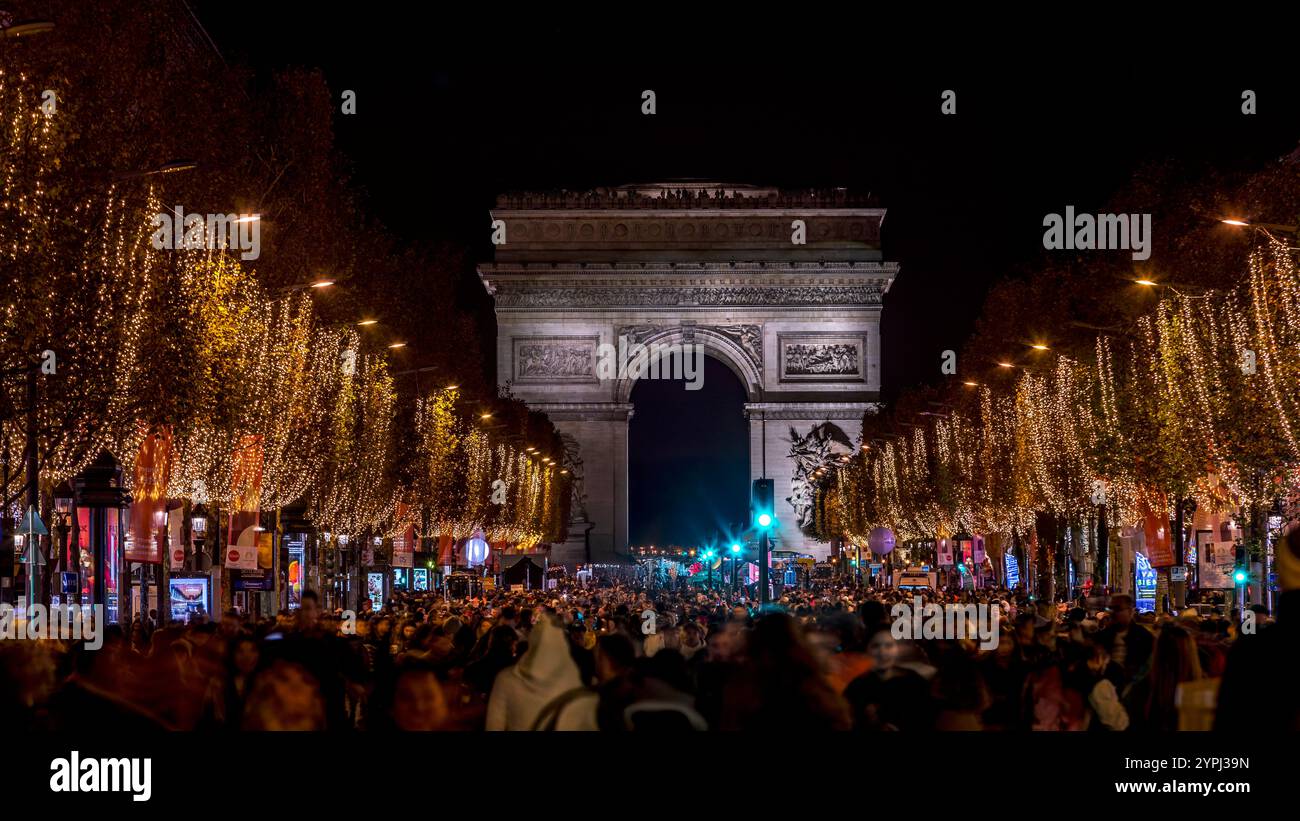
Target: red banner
x: 446, y: 550
x: 1160, y: 550
x: 149, y: 497
x: 246, y: 493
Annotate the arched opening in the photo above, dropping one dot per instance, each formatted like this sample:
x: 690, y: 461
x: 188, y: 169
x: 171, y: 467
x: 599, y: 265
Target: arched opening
x: 688, y: 459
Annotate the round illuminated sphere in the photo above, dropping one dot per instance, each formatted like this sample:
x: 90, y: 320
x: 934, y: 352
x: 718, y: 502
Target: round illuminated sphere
x: 881, y: 541
x: 476, y: 551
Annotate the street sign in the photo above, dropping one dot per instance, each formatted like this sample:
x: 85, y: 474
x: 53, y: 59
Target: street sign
x: 1178, y: 573
x: 32, y: 527
x: 32, y: 524
x: 34, y: 547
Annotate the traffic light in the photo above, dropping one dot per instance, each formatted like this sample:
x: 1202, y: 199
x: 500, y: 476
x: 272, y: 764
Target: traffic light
x: 1241, y: 567
x: 735, y: 547
x: 761, y: 501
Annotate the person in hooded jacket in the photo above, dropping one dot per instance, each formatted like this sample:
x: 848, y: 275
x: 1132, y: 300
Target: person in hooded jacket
x: 541, y: 685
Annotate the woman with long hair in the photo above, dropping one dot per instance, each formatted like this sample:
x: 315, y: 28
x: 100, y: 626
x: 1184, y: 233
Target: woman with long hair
x: 1174, y: 662
x: 227, y: 693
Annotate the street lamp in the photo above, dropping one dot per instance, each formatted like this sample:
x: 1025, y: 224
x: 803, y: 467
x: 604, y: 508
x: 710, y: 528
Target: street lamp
x: 1267, y: 226
x: 26, y: 29
x: 199, y: 532
x: 173, y: 167
x: 300, y: 286
x: 1191, y: 290
x: 63, y: 525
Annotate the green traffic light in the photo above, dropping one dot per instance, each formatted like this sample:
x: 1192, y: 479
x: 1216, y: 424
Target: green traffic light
x: 1239, y: 576
x: 764, y: 520
x: 735, y: 548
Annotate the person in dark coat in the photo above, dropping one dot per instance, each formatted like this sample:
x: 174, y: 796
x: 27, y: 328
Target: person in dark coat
x: 1263, y: 669
x: 500, y: 654
x: 1128, y: 643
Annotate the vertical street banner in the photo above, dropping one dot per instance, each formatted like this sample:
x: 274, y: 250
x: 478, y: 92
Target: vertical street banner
x: 246, y: 493
x: 149, y: 497
x: 1216, y: 550
x: 1160, y: 549
x: 943, y: 552
x: 404, y: 548
x: 446, y: 550
x: 175, y: 534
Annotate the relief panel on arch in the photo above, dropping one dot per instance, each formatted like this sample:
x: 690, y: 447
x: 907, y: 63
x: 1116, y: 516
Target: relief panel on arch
x: 555, y: 359
x: 822, y: 357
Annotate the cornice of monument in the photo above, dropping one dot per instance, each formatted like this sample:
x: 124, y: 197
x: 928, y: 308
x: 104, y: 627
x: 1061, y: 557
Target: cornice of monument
x: 551, y: 285
x: 589, y: 269
x: 677, y: 196
x: 554, y: 296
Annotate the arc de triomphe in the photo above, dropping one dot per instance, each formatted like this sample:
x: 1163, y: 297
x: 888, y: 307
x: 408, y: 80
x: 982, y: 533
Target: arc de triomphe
x: 706, y: 263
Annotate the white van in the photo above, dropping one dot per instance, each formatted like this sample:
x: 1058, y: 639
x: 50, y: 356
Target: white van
x: 915, y: 579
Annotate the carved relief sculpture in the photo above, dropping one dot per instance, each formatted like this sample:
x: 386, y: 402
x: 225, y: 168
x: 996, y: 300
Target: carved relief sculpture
x: 573, y: 461
x: 811, y: 359
x: 555, y: 359
x: 822, y: 444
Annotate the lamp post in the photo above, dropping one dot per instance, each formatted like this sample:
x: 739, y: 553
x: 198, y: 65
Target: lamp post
x: 198, y: 532
x: 19, y: 547
x: 31, y: 530
x: 63, y: 526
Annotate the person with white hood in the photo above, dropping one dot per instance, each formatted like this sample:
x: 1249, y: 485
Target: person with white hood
x: 545, y: 673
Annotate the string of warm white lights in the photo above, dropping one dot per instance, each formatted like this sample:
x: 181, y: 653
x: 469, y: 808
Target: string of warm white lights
x: 260, y: 403
x: 1202, y: 400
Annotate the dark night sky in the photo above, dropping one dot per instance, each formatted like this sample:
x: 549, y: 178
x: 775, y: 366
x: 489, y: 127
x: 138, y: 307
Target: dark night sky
x: 451, y: 113
x: 688, y: 459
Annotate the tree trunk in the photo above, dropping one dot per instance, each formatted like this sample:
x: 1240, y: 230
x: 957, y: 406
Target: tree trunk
x: 1101, y: 571
x: 1045, y: 528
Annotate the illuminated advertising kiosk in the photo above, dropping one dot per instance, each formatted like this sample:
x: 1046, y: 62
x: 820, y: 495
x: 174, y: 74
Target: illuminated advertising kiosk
x: 189, y: 595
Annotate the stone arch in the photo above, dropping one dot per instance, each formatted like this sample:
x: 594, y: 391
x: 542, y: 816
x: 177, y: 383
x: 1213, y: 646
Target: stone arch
x: 716, y: 344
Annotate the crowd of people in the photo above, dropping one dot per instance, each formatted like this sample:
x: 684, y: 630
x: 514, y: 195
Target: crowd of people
x: 617, y: 657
